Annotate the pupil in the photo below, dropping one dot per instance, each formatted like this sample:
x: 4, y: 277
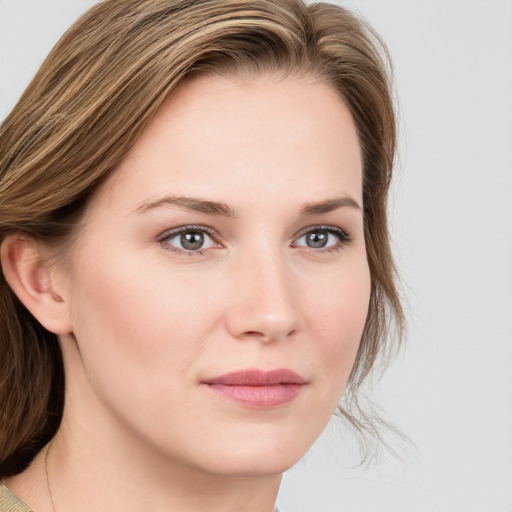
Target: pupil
x: 192, y: 241
x: 318, y: 239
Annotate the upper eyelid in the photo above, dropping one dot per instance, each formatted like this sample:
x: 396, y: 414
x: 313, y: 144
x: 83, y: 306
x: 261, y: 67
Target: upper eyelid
x: 169, y: 233
x: 319, y: 227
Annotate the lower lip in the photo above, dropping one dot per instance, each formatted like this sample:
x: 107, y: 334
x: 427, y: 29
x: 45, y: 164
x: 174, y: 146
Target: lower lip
x: 259, y: 397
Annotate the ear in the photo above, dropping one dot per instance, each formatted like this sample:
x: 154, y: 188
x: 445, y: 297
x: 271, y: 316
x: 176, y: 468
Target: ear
x: 29, y: 273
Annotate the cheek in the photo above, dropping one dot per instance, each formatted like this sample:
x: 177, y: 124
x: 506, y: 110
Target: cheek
x: 134, y: 314
x: 337, y: 314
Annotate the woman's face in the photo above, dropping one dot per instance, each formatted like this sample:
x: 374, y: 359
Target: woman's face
x: 219, y: 286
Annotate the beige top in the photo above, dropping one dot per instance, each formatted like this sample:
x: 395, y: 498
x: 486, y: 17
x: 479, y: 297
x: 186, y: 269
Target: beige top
x: 9, y: 502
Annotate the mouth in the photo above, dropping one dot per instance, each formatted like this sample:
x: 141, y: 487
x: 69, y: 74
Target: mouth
x: 258, y: 389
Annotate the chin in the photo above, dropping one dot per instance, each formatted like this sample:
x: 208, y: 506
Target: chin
x: 255, y: 465
x: 262, y: 455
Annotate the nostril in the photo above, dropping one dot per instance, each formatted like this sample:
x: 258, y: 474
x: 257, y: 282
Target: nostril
x: 266, y: 337
x: 258, y: 334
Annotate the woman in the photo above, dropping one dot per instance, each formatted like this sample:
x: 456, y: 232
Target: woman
x: 194, y: 250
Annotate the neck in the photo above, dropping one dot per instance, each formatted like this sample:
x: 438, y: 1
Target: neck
x: 101, y: 477
x: 78, y: 476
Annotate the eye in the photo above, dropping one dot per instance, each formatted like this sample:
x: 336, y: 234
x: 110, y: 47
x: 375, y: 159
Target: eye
x: 323, y: 237
x: 189, y: 239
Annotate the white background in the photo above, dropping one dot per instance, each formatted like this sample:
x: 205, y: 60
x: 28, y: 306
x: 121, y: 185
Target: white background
x: 451, y: 389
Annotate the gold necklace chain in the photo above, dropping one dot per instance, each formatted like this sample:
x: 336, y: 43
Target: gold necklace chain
x: 47, y: 477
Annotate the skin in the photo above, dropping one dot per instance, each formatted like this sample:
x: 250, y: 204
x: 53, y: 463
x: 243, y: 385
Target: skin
x: 145, y: 321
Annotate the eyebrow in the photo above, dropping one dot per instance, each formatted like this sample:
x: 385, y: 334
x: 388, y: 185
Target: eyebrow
x: 192, y: 204
x: 330, y: 205
x: 224, y: 210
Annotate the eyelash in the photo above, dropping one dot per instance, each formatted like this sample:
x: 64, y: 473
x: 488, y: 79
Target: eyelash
x: 169, y: 235
x: 344, y: 238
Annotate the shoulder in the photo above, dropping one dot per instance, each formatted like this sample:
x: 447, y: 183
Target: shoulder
x: 9, y: 502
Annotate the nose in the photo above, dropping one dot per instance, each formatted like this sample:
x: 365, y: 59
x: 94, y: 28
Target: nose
x: 265, y: 300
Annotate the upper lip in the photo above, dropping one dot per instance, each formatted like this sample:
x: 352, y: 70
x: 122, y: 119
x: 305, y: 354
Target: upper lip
x: 257, y: 377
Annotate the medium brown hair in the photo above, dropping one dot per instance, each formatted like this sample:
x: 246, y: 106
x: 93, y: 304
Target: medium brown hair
x: 92, y: 97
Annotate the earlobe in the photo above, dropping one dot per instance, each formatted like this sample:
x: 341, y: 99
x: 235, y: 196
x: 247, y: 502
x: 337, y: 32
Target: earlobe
x: 29, y: 275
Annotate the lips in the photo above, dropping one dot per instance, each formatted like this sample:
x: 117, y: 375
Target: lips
x: 258, y: 388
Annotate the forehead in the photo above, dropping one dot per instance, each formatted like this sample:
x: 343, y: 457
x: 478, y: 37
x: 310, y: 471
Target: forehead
x: 233, y: 138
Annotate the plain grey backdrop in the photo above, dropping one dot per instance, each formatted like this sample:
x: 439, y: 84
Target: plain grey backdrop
x: 451, y: 389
